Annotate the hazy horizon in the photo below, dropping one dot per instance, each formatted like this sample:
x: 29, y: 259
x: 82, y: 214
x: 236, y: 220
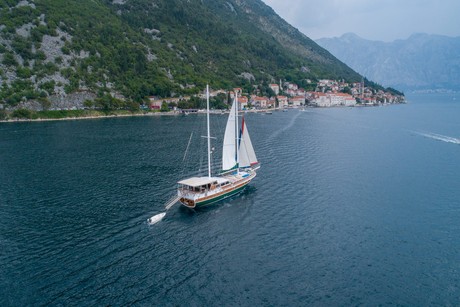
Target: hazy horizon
x: 378, y: 40
x: 381, y: 20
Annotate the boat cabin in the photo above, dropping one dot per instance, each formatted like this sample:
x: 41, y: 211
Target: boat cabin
x: 202, y: 184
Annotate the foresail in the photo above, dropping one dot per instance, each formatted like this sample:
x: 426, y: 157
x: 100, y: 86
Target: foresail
x: 229, y: 146
x: 247, y: 153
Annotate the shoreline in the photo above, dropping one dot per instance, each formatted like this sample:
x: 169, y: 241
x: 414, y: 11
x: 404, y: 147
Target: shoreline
x: 170, y: 113
x: 25, y: 120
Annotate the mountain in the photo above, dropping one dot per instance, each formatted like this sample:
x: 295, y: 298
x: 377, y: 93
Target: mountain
x: 420, y: 62
x: 53, y: 50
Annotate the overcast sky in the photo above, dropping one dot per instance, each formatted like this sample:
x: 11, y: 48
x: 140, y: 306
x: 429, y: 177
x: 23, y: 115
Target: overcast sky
x: 384, y: 20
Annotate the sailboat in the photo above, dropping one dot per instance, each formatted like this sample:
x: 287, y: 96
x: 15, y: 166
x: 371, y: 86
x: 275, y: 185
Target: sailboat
x: 239, y: 165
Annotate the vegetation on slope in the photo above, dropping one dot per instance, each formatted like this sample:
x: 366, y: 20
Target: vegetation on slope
x: 138, y: 48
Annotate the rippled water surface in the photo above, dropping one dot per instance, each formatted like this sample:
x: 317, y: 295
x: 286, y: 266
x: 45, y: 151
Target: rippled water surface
x: 351, y: 206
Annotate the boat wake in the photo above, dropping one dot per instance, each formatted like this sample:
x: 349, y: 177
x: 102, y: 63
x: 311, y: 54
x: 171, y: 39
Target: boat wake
x: 440, y: 137
x: 287, y: 127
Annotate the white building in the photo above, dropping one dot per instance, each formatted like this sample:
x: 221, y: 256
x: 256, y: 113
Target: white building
x: 333, y: 99
x: 297, y: 101
x: 282, y: 101
x: 275, y: 88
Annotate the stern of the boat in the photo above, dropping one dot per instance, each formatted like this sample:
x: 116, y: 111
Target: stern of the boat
x: 187, y: 202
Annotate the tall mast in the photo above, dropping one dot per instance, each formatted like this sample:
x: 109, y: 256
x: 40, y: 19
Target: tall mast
x: 209, y: 133
x: 237, y: 134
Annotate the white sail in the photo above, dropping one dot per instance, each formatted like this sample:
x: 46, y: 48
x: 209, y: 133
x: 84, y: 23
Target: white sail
x: 229, y: 147
x: 247, y: 153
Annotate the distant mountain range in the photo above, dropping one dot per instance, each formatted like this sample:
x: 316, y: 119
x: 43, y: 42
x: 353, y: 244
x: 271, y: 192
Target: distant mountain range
x: 421, y: 62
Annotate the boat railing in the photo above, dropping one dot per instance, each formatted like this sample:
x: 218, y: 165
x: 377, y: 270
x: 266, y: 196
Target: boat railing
x: 184, y: 192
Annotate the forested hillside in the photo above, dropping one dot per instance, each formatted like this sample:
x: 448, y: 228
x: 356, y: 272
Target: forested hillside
x: 52, y: 49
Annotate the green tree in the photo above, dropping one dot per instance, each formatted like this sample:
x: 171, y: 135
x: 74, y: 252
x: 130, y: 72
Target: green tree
x: 23, y: 47
x: 108, y: 103
x: 9, y: 59
x: 172, y: 105
x: 22, y: 113
x: 164, y: 107
x: 48, y: 87
x: 346, y: 90
x: 23, y: 72
x: 89, y: 104
x: 3, y: 114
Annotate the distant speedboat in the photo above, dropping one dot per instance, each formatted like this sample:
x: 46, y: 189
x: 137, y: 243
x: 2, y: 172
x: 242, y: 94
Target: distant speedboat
x: 239, y: 165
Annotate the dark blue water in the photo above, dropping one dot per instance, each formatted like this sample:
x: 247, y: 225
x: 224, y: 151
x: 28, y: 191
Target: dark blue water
x: 351, y: 206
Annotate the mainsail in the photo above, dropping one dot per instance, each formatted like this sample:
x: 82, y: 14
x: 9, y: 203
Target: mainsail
x: 247, y: 153
x: 229, y: 148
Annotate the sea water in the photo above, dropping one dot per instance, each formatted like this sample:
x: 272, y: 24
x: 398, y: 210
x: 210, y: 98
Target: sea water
x: 351, y: 206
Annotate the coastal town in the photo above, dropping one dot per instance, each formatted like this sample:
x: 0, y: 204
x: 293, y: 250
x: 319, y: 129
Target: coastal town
x: 263, y: 98
x: 328, y: 93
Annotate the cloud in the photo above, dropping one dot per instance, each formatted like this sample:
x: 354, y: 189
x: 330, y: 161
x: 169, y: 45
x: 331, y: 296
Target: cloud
x: 372, y: 19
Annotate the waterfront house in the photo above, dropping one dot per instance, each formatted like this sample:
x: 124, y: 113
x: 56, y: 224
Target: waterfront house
x: 282, y: 101
x: 321, y: 99
x: 155, y: 103
x: 297, y: 101
x: 243, y: 102
x: 261, y: 102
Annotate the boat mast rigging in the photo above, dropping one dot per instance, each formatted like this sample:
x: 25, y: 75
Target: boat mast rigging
x: 237, y: 134
x: 209, y: 133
